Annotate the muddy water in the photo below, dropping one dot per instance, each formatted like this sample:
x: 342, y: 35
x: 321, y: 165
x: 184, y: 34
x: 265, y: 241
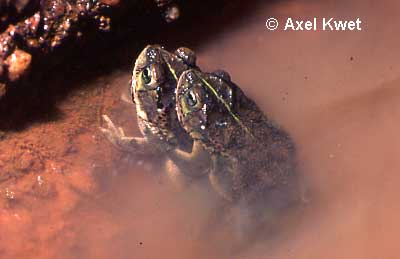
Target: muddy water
x: 335, y: 92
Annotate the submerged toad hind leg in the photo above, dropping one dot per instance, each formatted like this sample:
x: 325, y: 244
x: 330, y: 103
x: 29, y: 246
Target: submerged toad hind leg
x: 220, y: 186
x: 193, y: 164
x: 117, y: 137
x: 221, y: 177
x: 178, y: 179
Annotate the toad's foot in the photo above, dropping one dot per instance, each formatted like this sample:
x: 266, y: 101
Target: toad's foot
x: 116, y: 136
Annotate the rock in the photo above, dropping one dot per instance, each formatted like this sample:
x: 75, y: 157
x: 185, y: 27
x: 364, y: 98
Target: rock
x: 111, y: 2
x: 50, y: 29
x: 18, y: 64
x: 171, y: 13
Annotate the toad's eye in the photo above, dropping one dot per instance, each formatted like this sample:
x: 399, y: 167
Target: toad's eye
x: 146, y: 75
x: 191, y: 99
x: 191, y: 102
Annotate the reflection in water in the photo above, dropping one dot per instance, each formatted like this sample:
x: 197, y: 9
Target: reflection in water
x: 334, y: 92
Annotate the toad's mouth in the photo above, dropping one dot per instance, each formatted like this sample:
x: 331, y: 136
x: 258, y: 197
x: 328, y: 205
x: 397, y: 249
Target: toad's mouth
x: 158, y: 124
x: 157, y: 90
x: 153, y: 95
x: 163, y: 127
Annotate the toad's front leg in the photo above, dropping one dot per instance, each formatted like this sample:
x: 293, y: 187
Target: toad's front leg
x: 116, y: 136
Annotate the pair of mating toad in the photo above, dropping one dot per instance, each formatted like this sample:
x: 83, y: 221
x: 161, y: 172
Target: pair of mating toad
x: 202, y: 124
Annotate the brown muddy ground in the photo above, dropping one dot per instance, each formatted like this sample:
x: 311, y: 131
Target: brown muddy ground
x: 66, y: 193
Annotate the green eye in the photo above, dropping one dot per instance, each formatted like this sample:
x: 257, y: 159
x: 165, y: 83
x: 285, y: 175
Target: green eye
x: 191, y: 99
x: 146, y: 75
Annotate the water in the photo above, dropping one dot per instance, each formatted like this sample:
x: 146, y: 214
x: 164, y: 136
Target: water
x: 335, y: 93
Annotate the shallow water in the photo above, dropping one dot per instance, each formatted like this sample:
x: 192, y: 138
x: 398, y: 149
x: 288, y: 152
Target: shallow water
x: 335, y: 93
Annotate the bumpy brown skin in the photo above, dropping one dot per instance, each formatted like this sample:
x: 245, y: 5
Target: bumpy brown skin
x: 251, y: 155
x: 155, y: 101
x: 153, y: 88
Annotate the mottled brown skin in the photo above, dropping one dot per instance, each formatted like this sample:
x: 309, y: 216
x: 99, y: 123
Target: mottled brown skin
x: 251, y: 155
x: 153, y: 88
